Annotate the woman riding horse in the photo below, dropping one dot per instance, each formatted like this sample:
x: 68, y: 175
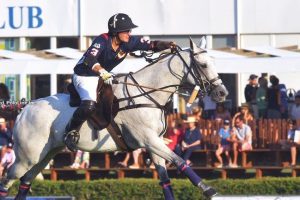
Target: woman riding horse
x: 105, y: 53
x: 141, y: 120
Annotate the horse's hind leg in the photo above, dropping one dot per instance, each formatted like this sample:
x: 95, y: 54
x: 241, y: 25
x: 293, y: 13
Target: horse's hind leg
x: 29, y: 176
x: 157, y: 146
x: 160, y: 165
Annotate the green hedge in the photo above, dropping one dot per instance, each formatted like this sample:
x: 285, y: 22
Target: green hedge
x: 137, y: 189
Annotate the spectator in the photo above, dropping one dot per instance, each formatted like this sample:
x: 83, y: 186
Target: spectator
x: 242, y: 138
x: 135, y: 154
x: 8, y: 159
x: 283, y: 100
x: 273, y: 99
x: 225, y: 144
x: 174, y: 134
x: 250, y: 90
x: 82, y: 160
x: 222, y: 113
x: 261, y: 95
x: 191, y: 140
x: 209, y: 108
x: 295, y: 108
x: 5, y: 135
x: 245, y: 112
x: 4, y: 93
x: 291, y: 141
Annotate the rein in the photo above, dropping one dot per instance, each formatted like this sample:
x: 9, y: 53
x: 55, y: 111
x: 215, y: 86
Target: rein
x: 192, y: 69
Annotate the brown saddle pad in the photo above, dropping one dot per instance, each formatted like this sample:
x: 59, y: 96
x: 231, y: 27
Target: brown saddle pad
x: 107, y: 105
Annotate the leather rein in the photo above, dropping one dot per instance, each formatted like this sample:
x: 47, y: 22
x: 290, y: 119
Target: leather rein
x: 193, y: 69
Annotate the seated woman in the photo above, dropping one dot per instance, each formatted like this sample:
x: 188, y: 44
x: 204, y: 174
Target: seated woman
x: 191, y: 140
x: 174, y: 134
x: 245, y: 111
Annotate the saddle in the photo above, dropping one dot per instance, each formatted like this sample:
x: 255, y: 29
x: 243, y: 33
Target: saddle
x: 107, y: 108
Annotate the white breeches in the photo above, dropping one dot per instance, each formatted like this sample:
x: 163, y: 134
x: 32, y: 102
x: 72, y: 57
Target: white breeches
x: 86, y: 86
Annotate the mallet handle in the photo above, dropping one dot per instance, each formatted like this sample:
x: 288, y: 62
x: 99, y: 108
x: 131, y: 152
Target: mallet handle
x: 193, y: 95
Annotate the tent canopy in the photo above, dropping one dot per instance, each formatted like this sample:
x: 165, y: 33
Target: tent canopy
x: 226, y: 62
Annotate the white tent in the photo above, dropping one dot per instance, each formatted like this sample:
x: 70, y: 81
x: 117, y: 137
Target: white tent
x: 282, y: 62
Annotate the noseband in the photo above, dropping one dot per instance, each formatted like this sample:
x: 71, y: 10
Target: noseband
x: 195, y: 69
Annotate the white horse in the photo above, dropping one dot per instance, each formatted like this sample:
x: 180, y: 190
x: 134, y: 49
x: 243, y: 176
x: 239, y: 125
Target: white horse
x: 39, y: 128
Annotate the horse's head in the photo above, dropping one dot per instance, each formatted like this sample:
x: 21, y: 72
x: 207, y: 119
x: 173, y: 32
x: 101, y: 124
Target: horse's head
x: 203, y: 73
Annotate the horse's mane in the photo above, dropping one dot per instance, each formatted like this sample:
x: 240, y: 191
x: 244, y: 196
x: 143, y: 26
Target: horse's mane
x: 151, y: 61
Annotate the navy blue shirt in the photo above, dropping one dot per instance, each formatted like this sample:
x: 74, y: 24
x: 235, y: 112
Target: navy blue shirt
x: 192, y: 136
x: 101, y: 52
x: 5, y: 137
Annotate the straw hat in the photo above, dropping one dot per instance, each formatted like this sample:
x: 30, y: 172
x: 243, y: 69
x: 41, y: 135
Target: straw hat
x: 190, y: 120
x: 245, y: 105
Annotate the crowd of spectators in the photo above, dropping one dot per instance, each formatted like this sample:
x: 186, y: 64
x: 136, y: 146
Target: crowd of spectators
x: 270, y: 102
x: 235, y: 134
x: 7, y: 155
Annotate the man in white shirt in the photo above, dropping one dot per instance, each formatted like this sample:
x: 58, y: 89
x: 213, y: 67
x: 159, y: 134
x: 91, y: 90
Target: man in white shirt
x: 242, y: 138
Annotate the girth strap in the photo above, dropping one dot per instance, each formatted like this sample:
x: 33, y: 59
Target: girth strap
x: 142, y: 105
x: 116, y: 134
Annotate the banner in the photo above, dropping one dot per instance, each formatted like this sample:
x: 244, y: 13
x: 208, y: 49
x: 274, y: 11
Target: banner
x: 38, y: 18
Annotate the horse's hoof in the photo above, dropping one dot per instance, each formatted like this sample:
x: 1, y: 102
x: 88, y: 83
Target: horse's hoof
x: 210, y: 192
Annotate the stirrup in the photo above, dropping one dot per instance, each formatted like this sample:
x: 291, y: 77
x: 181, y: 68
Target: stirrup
x: 71, y: 140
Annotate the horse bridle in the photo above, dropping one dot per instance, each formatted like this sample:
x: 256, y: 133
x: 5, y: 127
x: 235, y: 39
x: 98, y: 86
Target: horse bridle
x: 194, y: 69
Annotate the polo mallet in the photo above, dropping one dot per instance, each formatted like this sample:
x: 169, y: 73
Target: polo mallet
x: 193, y: 96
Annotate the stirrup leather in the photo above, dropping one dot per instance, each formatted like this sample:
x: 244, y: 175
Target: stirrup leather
x: 71, y: 139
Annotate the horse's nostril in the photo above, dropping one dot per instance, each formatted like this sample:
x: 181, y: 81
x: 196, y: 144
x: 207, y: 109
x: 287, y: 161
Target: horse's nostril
x: 222, y: 93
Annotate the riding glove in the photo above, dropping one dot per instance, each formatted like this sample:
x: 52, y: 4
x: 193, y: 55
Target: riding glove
x: 106, y: 76
x: 162, y: 45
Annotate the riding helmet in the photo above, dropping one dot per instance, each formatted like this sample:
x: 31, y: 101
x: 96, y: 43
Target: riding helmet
x: 120, y: 22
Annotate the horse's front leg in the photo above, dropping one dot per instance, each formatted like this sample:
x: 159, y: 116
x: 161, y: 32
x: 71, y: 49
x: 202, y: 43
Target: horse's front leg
x: 157, y: 146
x: 160, y: 165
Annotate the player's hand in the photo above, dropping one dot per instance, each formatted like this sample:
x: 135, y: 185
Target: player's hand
x: 106, y: 76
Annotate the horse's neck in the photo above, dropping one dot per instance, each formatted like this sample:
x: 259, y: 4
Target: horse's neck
x: 168, y: 71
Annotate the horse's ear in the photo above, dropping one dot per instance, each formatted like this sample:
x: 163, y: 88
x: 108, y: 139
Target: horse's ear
x: 193, y: 46
x: 202, y: 43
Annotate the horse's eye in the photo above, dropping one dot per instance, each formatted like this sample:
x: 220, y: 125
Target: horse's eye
x: 204, y: 65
